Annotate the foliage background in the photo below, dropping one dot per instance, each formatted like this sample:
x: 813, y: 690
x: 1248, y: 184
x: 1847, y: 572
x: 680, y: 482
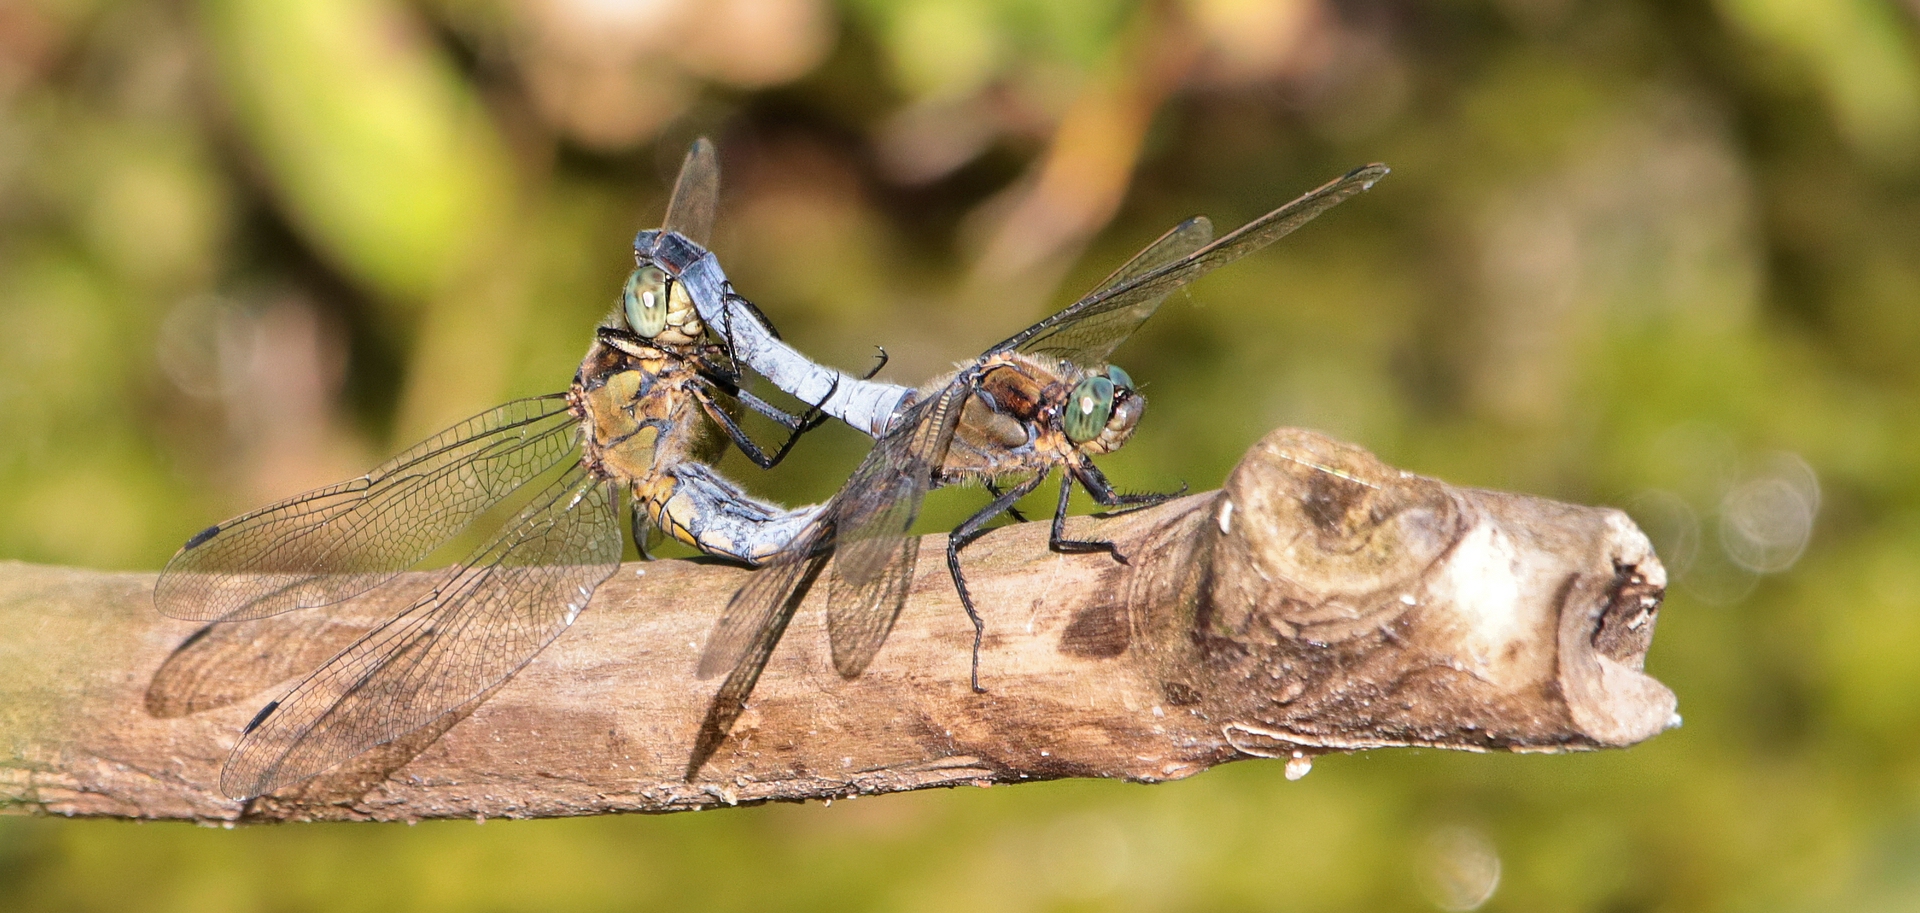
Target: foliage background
x: 1662, y: 255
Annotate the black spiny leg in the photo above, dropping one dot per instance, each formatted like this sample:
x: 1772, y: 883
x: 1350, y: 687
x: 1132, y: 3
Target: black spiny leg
x: 1013, y: 512
x: 1058, y: 540
x: 761, y: 458
x: 728, y: 299
x: 1104, y: 495
x: 813, y: 418
x: 727, y: 381
x: 969, y: 531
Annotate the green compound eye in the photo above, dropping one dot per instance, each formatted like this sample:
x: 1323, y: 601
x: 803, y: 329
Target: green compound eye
x: 645, y: 301
x: 1119, y: 377
x: 1088, y: 408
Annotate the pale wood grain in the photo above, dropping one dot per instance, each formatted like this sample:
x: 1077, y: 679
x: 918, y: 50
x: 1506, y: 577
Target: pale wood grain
x: 1337, y: 604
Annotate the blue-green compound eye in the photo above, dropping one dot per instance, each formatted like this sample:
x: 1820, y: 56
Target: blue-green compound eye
x: 645, y: 301
x: 1119, y: 377
x: 1088, y: 409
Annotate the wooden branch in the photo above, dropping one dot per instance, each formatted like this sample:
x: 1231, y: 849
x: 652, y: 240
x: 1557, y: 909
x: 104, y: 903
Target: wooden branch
x: 1321, y: 602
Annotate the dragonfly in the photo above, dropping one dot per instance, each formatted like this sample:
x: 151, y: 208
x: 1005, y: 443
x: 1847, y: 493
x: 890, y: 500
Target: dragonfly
x: 653, y: 403
x: 1044, y: 399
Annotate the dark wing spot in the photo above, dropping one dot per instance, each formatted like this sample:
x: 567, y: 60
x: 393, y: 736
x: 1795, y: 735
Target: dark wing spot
x: 200, y: 538
x: 260, y: 717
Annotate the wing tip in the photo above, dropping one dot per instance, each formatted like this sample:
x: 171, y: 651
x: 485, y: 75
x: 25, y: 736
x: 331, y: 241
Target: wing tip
x: 1368, y: 174
x: 711, y: 664
x: 700, y: 148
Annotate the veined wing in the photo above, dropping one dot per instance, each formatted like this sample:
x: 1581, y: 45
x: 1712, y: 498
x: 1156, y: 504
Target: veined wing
x: 1095, y: 335
x: 696, y: 194
x: 1087, y: 332
x: 760, y: 609
x: 227, y: 662
x: 743, y: 639
x: 493, y: 616
x: 744, y: 635
x: 335, y: 543
x: 874, y: 557
x: 877, y: 504
x: 863, y: 532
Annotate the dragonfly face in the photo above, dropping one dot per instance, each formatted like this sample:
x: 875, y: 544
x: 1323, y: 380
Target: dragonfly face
x: 1101, y: 411
x: 1043, y: 399
x: 658, y: 308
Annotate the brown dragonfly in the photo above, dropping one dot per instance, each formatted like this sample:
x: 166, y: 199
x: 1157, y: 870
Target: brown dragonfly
x: 1043, y: 399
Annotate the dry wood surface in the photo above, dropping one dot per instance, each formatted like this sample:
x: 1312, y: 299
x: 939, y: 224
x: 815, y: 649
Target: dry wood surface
x: 1321, y: 601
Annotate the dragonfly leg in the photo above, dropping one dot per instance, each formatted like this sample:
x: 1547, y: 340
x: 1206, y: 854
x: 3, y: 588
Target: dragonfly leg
x: 813, y: 418
x: 640, y: 529
x: 965, y: 533
x: 728, y: 299
x: 733, y: 297
x: 801, y: 425
x: 1058, y: 540
x: 1104, y: 494
x: 727, y: 381
x: 1013, y: 512
x: 879, y: 362
x: 739, y: 435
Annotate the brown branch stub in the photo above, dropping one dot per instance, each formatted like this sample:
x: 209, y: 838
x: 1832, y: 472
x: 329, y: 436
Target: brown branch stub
x: 1321, y: 602
x: 1392, y: 609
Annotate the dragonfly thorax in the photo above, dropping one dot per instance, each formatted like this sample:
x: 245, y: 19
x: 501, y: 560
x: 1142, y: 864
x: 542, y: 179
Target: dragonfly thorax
x: 639, y: 412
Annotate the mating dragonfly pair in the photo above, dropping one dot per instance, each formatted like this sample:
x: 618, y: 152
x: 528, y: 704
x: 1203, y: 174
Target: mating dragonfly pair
x: 656, y: 400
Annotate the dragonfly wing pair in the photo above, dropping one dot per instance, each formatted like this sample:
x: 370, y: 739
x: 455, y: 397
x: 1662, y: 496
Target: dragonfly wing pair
x: 1088, y: 332
x: 489, y: 617
x: 873, y: 561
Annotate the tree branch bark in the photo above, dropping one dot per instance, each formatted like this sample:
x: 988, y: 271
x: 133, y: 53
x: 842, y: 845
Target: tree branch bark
x: 1322, y: 601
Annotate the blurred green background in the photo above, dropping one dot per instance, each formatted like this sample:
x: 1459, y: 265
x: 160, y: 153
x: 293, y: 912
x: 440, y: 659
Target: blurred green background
x: 1660, y: 255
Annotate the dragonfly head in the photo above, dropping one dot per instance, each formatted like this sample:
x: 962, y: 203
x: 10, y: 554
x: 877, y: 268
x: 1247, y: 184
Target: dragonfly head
x: 1102, y: 410
x: 658, y: 308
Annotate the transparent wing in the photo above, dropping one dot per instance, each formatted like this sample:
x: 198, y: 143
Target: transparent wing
x: 1087, y: 332
x: 329, y: 545
x: 864, y: 531
x: 227, y: 662
x: 760, y: 609
x: 696, y: 194
x: 744, y: 638
x: 1083, y: 338
x: 480, y: 627
x: 874, y: 557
